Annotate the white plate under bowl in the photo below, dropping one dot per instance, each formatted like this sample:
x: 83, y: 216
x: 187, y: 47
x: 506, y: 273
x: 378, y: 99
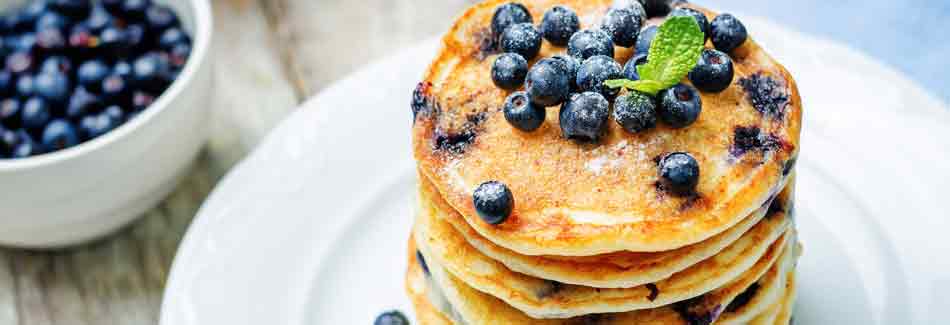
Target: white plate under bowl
x: 312, y: 227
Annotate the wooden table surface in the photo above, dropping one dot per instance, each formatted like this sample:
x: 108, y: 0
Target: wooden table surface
x: 269, y: 55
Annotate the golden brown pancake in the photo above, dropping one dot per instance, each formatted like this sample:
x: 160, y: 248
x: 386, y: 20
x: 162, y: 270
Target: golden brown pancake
x: 611, y: 270
x: 575, y: 199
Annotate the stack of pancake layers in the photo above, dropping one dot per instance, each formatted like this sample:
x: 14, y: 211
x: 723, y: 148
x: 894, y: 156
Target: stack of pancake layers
x: 593, y: 238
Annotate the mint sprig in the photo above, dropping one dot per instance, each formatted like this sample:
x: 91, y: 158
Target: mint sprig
x: 674, y: 52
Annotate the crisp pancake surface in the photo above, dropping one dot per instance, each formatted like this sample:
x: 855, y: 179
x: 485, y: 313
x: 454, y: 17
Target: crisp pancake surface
x: 574, y: 199
x: 476, y: 307
x: 540, y: 298
x: 611, y: 270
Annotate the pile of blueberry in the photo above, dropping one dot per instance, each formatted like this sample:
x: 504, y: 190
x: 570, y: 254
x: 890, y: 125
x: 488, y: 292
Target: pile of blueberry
x: 76, y: 69
x: 576, y: 81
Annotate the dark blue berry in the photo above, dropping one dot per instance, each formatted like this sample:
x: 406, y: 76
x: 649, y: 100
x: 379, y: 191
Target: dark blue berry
x: 645, y: 39
x: 656, y: 8
x: 10, y: 112
x: 36, y: 113
x: 159, y: 18
x: 9, y: 139
x: 122, y: 69
x: 25, y: 146
x: 19, y: 63
x: 72, y: 8
x: 680, y: 106
x: 392, y: 317
x: 595, y: 71
x: 630, y: 69
x: 24, y: 86
x: 50, y: 41
x: 727, y: 33
x: 509, y: 70
x: 59, y: 134
x: 635, y: 111
x: 135, y: 9
x: 115, y: 89
x: 590, y: 42
x: 91, y: 73
x: 679, y: 173
x: 714, y: 71
x: 98, y: 19
x: 559, y: 24
x: 7, y: 83
x: 135, y: 37
x: 113, y: 6
x: 623, y: 25
x: 51, y: 20
x: 698, y: 16
x: 114, y: 112
x: 178, y: 55
x: 24, y: 43
x: 114, y: 41
x: 523, y: 39
x: 493, y: 202
x: 636, y: 6
x: 141, y: 100
x: 82, y: 102
x: 150, y: 72
x: 57, y: 64
x: 53, y: 87
x: 95, y: 125
x: 422, y: 262
x: 522, y: 114
x: 584, y: 116
x: 34, y: 9
x: 509, y: 14
x: 548, y: 82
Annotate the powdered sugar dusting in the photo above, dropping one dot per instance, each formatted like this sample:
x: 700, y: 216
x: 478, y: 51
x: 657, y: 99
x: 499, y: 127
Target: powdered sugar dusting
x: 606, y: 158
x: 451, y: 170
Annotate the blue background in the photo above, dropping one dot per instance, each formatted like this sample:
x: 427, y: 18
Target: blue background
x: 910, y: 35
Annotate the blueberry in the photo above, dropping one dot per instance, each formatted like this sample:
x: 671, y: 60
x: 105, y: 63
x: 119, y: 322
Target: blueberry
x: 590, y: 42
x: 635, y: 111
x: 584, y: 116
x: 656, y: 8
x: 679, y: 173
x: 698, y: 16
x: 122, y: 69
x: 10, y: 112
x: 24, y: 43
x: 25, y: 146
x: 114, y: 112
x: 493, y: 202
x: 558, y: 24
x: 522, y: 114
x: 178, y: 55
x: 95, y: 125
x: 53, y: 87
x: 548, y: 82
x: 392, y: 317
x: 34, y: 9
x: 136, y: 37
x: 645, y: 39
x: 422, y: 262
x: 141, y: 100
x: 727, y: 33
x: 59, y: 134
x: 113, y: 6
x: 50, y: 41
x: 523, y: 39
x: 509, y: 14
x: 98, y: 19
x: 570, y: 63
x: 509, y: 70
x: 595, y: 71
x: 115, y: 89
x: 114, y: 41
x: 51, y: 20
x: 57, y: 64
x: 680, y: 106
x: 714, y: 71
x: 7, y: 82
x: 81, y: 103
x: 24, y: 86
x: 19, y: 63
x: 91, y: 73
x: 630, y: 69
x: 623, y: 25
x: 150, y: 72
x: 135, y: 9
x: 9, y: 140
x: 633, y: 5
x: 36, y: 113
x: 82, y: 39
x: 159, y: 18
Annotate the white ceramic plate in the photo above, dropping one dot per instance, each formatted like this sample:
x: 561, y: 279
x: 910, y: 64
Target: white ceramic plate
x: 312, y: 227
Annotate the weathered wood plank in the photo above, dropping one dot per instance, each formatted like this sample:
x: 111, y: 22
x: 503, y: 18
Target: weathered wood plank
x: 119, y: 280
x: 325, y: 40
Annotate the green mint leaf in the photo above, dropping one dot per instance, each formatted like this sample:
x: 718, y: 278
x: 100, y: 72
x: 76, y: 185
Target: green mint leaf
x: 617, y: 83
x: 674, y: 52
x: 651, y: 87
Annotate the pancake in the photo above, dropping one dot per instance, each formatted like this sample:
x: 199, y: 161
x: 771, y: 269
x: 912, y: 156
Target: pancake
x: 763, y: 297
x: 461, y: 139
x: 439, y: 242
x: 788, y: 302
x: 476, y: 307
x: 612, y: 270
x: 430, y: 305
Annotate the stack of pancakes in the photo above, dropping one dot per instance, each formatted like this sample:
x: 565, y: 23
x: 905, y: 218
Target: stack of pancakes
x: 592, y: 238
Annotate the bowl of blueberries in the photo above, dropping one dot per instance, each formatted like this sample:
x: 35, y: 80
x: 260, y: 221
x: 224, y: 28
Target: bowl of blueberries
x: 103, y: 108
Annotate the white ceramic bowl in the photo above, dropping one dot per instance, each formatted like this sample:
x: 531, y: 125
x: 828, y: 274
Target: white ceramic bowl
x: 88, y: 191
